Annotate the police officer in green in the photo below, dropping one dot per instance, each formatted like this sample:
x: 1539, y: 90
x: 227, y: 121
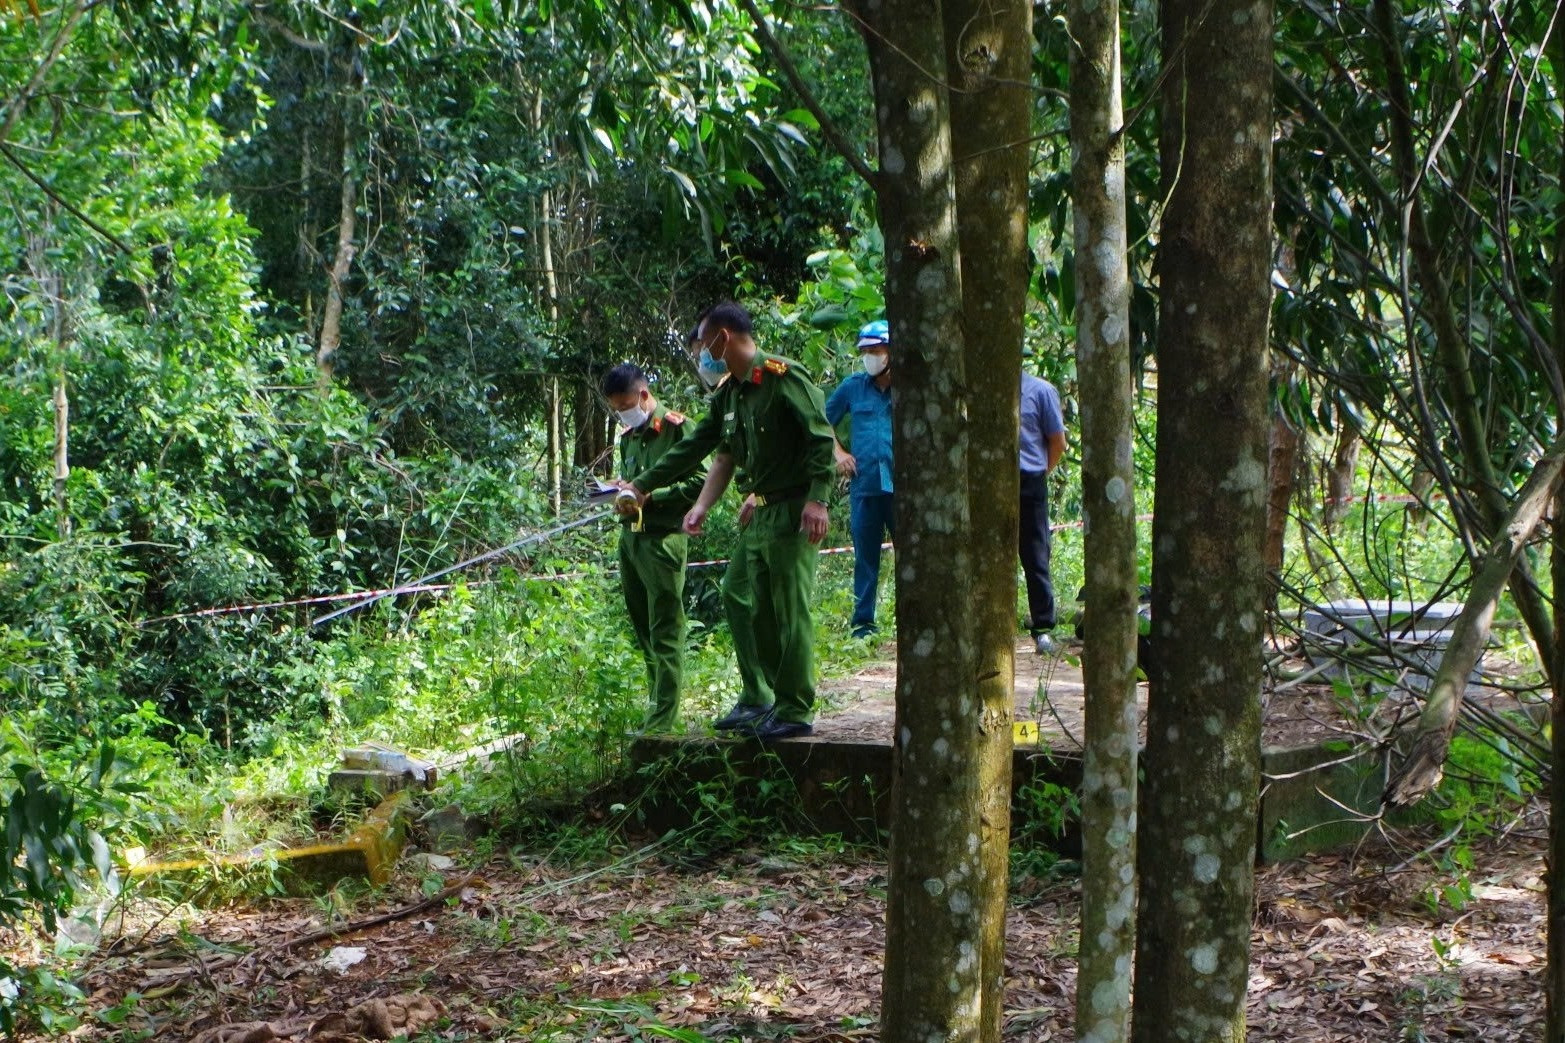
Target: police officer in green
x: 767, y: 422
x: 652, y: 549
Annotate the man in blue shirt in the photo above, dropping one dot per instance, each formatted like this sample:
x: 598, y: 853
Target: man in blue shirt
x: 866, y: 398
x: 1042, y: 445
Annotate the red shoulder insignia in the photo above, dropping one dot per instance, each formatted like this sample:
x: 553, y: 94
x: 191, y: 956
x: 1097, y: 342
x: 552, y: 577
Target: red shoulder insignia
x: 755, y: 374
x: 657, y: 425
x: 777, y: 366
x: 674, y: 417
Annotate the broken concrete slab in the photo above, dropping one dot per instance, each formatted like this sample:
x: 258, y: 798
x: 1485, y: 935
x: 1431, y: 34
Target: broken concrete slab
x: 370, y: 851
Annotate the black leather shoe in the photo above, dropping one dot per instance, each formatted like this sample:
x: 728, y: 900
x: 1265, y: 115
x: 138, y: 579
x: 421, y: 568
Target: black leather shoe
x: 741, y: 715
x: 772, y: 730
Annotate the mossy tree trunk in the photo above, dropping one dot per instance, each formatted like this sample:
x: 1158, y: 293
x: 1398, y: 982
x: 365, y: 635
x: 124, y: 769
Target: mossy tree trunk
x: 1108, y: 795
x: 933, y: 982
x: 1197, y: 840
x: 989, y: 63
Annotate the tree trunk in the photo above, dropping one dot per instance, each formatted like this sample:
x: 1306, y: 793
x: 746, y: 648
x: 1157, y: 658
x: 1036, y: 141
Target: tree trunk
x: 1421, y: 771
x: 1554, y: 898
x: 1197, y: 842
x: 331, y: 319
x: 556, y: 449
x: 593, y: 439
x: 1339, y: 474
x: 1281, y: 467
x: 933, y: 980
x: 1108, y: 795
x: 989, y: 62
x: 55, y: 287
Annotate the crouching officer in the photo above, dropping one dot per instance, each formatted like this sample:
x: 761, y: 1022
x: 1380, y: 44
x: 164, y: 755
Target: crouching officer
x: 652, y: 547
x: 767, y: 422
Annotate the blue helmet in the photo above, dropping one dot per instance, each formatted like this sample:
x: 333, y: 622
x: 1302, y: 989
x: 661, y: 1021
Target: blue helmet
x: 876, y: 334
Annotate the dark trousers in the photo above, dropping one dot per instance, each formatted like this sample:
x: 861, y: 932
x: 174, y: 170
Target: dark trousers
x: 870, y: 521
x: 1034, y: 545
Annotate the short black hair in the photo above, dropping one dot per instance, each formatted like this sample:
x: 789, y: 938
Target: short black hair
x: 622, y: 378
x: 728, y: 316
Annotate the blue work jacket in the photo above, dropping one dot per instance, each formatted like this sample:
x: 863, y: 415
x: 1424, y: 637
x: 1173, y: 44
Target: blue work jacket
x: 869, y: 431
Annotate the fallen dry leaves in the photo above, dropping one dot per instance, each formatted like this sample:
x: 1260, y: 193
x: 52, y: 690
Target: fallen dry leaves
x: 769, y: 947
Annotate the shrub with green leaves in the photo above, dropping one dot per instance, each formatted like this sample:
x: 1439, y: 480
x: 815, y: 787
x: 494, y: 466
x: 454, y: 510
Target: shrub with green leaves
x: 58, y: 814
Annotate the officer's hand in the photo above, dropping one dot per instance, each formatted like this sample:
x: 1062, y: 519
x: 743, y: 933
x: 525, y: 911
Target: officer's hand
x: 813, y: 522
x: 747, y: 510
x: 847, y: 467
x: 693, y: 520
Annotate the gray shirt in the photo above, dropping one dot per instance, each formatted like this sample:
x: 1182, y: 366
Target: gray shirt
x: 1041, y: 418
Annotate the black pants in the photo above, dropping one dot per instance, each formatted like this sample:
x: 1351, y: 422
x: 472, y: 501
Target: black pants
x: 1034, y: 545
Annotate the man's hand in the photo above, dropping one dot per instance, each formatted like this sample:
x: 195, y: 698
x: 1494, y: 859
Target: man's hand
x: 693, y: 520
x: 814, y: 520
x: 747, y: 510
x: 847, y: 466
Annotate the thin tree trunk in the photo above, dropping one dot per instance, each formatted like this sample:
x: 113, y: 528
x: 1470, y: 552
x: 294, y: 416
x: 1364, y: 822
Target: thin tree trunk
x: 1339, y: 475
x: 1421, y: 771
x: 1197, y: 839
x: 551, y: 290
x: 1108, y: 795
x: 331, y: 319
x: 1461, y: 389
x: 1281, y: 469
x: 1554, y: 897
x: 932, y: 987
x: 62, y: 407
x: 989, y: 62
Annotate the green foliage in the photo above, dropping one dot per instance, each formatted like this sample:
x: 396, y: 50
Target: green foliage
x: 60, y: 811
x: 1043, y: 811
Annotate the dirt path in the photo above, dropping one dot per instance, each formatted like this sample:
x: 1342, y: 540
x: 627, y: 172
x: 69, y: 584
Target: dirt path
x: 774, y: 945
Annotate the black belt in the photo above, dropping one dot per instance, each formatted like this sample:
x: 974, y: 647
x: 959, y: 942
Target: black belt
x: 1035, y: 474
x: 781, y: 495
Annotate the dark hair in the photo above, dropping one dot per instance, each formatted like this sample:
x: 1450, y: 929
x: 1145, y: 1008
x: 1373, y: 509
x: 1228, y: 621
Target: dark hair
x: 622, y: 378
x: 728, y: 316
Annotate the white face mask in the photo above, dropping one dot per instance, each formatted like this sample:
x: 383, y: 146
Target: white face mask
x: 875, y: 365
x: 711, y: 370
x: 633, y: 417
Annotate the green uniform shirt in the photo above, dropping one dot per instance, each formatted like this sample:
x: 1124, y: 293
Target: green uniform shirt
x: 644, y: 446
x: 772, y: 422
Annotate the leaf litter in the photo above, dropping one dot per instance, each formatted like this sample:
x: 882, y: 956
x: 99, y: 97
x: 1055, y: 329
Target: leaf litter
x: 1347, y: 946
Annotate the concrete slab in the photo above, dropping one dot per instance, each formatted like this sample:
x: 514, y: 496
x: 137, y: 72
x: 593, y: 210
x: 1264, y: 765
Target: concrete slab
x: 1315, y: 794
x: 369, y: 851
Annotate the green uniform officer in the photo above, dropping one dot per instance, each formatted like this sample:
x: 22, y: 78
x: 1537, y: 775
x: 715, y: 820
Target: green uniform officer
x: 767, y: 421
x: 652, y: 547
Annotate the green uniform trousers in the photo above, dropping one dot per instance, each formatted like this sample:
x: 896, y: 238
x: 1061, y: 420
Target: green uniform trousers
x: 767, y: 592
x: 652, y: 573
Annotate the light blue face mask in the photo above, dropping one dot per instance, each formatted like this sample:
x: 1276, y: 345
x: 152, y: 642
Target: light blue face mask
x: 711, y: 369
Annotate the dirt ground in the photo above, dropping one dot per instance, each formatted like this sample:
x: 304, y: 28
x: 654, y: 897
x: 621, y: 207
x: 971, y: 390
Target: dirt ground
x: 788, y: 945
